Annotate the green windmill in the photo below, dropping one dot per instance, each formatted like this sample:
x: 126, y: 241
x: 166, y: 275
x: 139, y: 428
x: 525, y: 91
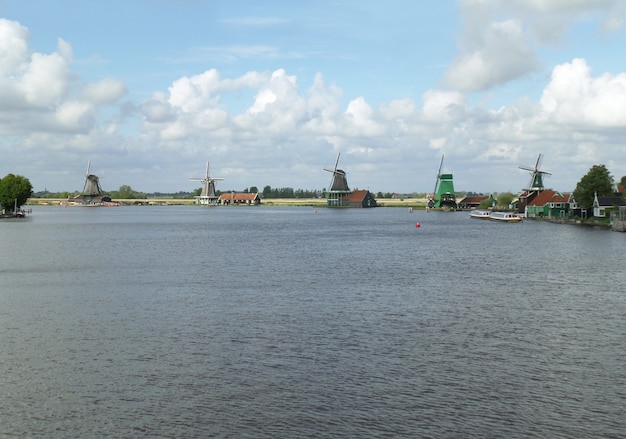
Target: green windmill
x: 443, y: 195
x: 536, y: 181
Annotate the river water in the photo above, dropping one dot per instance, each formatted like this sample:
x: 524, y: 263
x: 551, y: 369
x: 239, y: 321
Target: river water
x: 291, y: 322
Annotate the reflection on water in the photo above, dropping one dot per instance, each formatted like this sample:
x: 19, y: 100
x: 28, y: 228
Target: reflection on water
x: 282, y: 322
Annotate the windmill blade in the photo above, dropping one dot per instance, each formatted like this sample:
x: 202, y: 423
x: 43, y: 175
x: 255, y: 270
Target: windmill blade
x: 438, y: 177
x: 207, y: 169
x: 337, y: 162
x: 538, y: 162
x: 87, y: 175
x: 526, y: 168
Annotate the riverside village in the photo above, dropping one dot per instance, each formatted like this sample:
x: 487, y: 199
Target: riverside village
x: 602, y: 202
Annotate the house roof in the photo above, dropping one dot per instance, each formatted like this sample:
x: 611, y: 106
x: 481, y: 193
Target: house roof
x: 357, y: 196
x: 239, y: 196
x: 549, y: 196
x: 615, y: 200
x: 473, y: 199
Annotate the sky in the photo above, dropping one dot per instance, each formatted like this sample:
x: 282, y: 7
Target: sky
x: 271, y: 92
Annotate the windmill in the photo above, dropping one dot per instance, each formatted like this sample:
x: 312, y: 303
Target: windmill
x: 92, y: 183
x: 338, y: 181
x: 92, y: 194
x: 207, y: 196
x: 536, y: 181
x: 443, y: 195
x: 433, y: 200
x: 338, y: 185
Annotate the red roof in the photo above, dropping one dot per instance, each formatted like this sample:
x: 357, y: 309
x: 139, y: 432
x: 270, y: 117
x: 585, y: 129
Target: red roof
x: 357, y: 196
x: 549, y: 196
x: 241, y: 196
x: 473, y: 199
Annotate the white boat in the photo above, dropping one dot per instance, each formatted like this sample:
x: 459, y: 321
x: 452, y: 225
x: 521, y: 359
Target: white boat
x: 480, y: 214
x: 508, y: 217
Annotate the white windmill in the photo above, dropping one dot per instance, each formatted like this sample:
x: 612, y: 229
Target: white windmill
x: 207, y: 196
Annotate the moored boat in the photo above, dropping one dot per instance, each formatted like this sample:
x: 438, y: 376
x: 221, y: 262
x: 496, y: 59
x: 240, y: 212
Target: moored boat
x: 480, y: 214
x: 505, y: 217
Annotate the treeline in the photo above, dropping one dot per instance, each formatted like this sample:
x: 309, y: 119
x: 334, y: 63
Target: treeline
x: 288, y: 192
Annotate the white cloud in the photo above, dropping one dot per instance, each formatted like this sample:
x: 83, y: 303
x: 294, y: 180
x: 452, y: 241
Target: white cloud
x: 361, y: 119
x: 74, y: 116
x: 14, y: 40
x: 440, y: 105
x: 549, y: 20
x: 44, y: 81
x: 497, y: 54
x: 193, y: 93
x: 501, y: 38
x: 106, y: 91
x: 38, y: 92
x: 573, y: 96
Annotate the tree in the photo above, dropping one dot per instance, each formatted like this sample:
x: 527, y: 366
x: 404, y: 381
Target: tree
x: 487, y: 203
x: 126, y: 192
x: 12, y: 188
x: 597, y: 181
x: 504, y: 200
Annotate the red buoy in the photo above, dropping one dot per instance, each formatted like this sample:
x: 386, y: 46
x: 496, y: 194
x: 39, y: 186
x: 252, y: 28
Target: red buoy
x: 417, y: 225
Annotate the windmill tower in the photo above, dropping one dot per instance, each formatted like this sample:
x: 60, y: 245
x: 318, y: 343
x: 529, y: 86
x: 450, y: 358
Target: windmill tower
x: 443, y: 195
x: 337, y: 194
x: 536, y: 181
x: 207, y: 196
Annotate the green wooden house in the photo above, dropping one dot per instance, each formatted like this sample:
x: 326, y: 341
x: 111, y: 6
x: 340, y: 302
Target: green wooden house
x: 548, y: 204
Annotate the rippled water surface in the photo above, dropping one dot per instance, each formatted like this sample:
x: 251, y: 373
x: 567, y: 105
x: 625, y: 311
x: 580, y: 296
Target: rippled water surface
x: 252, y: 322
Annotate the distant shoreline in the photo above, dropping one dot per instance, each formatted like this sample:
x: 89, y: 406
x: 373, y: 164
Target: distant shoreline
x: 415, y: 203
